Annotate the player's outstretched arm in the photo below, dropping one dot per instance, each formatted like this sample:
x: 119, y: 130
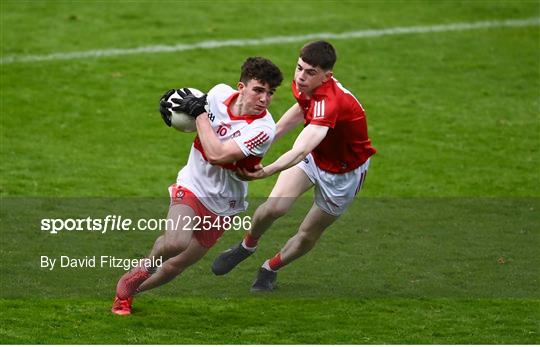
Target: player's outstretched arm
x: 216, y: 152
x: 308, y: 139
x: 290, y: 120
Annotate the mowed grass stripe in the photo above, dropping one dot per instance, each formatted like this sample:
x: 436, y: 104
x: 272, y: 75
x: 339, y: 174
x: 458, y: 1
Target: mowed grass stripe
x: 262, y: 320
x: 269, y: 40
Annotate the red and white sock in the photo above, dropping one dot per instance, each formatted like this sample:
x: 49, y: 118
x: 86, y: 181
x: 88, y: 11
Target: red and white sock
x: 250, y: 243
x: 273, y: 264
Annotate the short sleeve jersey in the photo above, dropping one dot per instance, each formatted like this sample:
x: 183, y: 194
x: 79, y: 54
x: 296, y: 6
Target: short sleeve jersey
x: 217, y: 186
x: 346, y: 145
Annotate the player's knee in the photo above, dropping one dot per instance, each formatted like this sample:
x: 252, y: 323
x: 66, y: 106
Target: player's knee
x: 172, y: 269
x: 275, y: 209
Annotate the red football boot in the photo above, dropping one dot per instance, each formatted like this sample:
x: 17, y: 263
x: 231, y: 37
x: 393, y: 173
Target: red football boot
x: 128, y: 284
x: 122, y: 307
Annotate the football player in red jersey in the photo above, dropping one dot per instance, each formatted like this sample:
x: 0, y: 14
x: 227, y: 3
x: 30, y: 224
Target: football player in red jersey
x: 331, y: 154
x: 234, y: 129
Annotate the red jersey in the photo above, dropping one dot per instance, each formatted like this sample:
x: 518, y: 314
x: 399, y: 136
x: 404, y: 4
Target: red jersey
x: 346, y: 145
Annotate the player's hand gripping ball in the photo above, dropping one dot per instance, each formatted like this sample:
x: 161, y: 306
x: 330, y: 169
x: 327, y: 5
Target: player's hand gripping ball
x: 179, y: 108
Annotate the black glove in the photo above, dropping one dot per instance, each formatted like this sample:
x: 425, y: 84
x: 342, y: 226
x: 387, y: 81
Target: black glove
x: 164, y: 106
x: 189, y: 104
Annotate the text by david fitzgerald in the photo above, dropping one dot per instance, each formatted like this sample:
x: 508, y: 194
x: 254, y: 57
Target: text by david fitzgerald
x: 103, y: 261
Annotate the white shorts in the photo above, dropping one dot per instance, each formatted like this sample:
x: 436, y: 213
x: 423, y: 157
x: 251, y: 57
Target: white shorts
x: 334, y: 192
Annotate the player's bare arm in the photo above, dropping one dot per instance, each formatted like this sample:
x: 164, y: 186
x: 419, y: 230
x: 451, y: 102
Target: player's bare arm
x: 289, y: 121
x: 217, y: 152
x: 308, y: 139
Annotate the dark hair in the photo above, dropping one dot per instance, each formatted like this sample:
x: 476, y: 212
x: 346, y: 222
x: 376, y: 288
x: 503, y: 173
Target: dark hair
x: 319, y: 53
x: 262, y: 70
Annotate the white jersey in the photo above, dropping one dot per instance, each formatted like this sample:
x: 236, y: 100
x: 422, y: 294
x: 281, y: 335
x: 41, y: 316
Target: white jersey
x: 217, y: 186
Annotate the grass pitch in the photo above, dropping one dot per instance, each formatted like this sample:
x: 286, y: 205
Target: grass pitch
x: 441, y: 247
x: 271, y: 321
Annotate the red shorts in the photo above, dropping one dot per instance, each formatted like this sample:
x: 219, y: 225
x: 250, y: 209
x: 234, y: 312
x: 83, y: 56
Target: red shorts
x: 207, y: 237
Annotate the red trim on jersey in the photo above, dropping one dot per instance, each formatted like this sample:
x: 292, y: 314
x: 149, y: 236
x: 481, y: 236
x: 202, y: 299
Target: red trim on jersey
x: 247, y: 117
x: 257, y: 140
x: 247, y: 163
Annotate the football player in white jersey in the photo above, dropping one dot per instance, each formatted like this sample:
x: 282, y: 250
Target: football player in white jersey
x: 234, y: 130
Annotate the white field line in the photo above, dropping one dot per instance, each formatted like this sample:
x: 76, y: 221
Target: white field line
x: 8, y: 59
